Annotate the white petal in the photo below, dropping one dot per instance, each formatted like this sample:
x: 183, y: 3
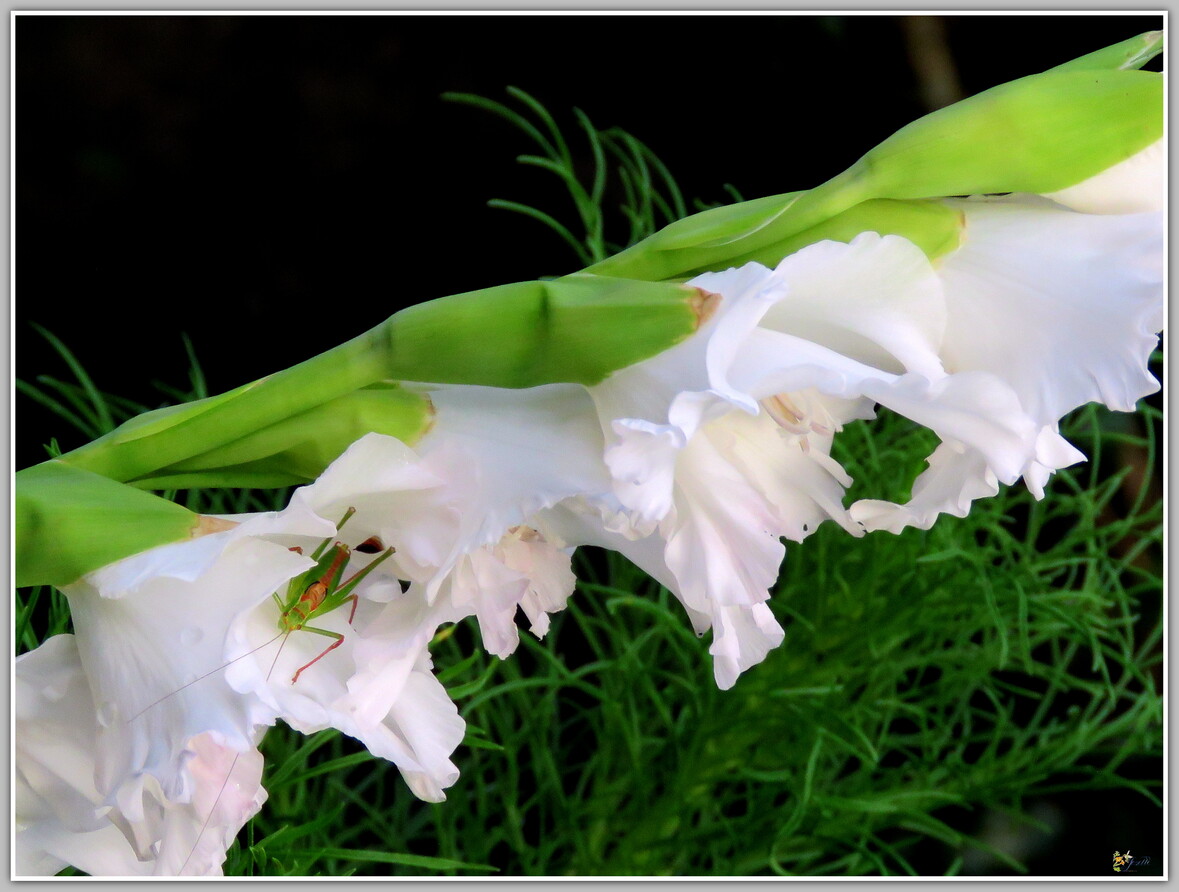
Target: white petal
x: 975, y: 408
x: 773, y: 362
x: 1061, y: 305
x: 546, y: 567
x: 483, y: 585
x: 396, y: 497
x: 742, y: 634
x: 804, y: 486
x: 642, y: 461
x: 578, y: 522
x: 956, y: 476
x: 55, y: 723
x: 363, y: 685
x: 875, y: 300
x: 698, y: 364
x: 507, y: 454
x: 526, y: 449
x: 154, y: 660
x: 742, y: 637
x: 430, y: 724
x: 722, y: 542
x: 61, y: 816
x: 1053, y: 452
x: 228, y: 793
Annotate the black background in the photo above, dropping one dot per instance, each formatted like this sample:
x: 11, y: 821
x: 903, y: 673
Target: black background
x: 273, y: 185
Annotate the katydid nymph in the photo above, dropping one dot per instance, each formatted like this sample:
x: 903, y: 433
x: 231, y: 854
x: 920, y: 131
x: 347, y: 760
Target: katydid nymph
x: 313, y: 593
x: 319, y: 591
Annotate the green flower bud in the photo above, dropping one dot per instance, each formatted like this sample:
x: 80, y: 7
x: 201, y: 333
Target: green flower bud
x: 70, y: 522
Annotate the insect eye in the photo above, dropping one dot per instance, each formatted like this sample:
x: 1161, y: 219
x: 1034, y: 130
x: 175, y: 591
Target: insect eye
x: 371, y: 545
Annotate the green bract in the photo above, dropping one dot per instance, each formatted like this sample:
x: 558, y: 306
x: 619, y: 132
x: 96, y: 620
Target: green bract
x: 577, y: 329
x: 286, y: 428
x: 1037, y: 134
x: 69, y: 522
x: 1040, y: 134
x: 1132, y: 53
x: 932, y: 226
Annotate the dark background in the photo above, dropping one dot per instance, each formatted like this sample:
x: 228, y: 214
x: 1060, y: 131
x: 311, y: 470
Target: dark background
x: 273, y: 185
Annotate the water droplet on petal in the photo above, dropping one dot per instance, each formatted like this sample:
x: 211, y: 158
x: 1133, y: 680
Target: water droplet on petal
x: 190, y: 636
x: 107, y: 714
x: 54, y: 691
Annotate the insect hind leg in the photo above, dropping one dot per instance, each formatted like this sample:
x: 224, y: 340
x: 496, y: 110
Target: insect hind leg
x: 339, y: 640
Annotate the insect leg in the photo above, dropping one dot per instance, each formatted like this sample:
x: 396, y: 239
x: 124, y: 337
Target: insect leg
x: 339, y: 640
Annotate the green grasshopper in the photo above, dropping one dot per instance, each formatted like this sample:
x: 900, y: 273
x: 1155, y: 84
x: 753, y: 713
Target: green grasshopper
x: 315, y: 592
x: 319, y: 591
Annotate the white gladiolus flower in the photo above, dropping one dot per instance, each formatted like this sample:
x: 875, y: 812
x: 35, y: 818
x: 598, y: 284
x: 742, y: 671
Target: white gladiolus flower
x: 720, y: 445
x: 710, y: 470
x: 457, y: 510
x: 62, y: 818
x: 202, y: 648
x: 500, y: 456
x: 1062, y: 309
x: 215, y: 636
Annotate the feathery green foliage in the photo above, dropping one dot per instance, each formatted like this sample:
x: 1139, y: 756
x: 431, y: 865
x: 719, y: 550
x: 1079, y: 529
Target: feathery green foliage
x: 649, y: 195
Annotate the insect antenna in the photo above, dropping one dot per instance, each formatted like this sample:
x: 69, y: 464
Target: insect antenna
x: 274, y: 662
x: 209, y: 816
x: 225, y: 665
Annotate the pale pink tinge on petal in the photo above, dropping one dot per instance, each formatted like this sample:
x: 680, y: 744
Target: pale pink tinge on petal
x: 62, y: 817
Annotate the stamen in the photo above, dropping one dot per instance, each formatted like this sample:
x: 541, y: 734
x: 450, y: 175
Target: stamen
x: 801, y: 412
x: 782, y: 410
